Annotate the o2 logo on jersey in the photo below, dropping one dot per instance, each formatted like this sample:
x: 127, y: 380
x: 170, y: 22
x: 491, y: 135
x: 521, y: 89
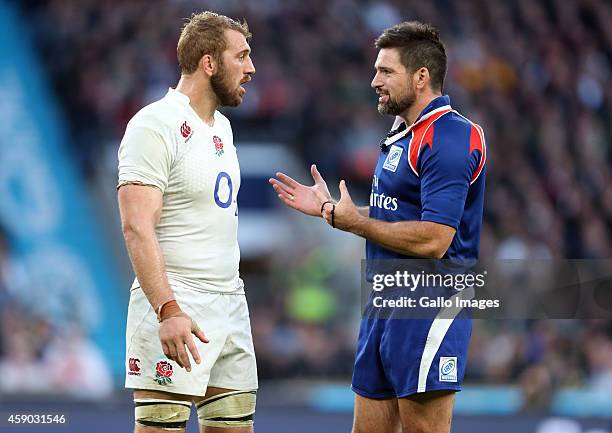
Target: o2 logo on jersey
x: 223, y: 190
x: 393, y: 158
x: 448, y: 369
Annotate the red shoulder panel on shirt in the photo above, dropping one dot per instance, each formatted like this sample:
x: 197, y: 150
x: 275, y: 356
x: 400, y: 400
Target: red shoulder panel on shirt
x: 422, y: 135
x: 477, y: 143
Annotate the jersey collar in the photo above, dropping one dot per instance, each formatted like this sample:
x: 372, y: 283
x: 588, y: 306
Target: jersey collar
x: 177, y: 96
x: 399, y: 129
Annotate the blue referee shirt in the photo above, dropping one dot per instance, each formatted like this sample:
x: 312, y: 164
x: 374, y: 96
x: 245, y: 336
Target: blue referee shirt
x: 433, y: 170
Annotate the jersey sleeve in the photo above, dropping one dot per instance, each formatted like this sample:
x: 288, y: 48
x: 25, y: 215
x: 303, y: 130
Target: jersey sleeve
x: 447, y: 165
x: 144, y: 157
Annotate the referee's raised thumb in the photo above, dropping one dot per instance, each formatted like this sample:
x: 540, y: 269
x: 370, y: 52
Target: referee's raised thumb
x: 344, y: 191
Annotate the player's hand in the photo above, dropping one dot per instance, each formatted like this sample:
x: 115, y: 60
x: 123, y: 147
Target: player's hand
x: 306, y: 199
x: 346, y: 215
x: 175, y: 333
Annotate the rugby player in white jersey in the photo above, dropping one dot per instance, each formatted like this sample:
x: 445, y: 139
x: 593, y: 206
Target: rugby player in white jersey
x: 188, y: 332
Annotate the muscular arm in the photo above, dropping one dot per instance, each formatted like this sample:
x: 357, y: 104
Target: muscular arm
x: 145, y: 159
x: 140, y: 207
x: 411, y: 238
x: 364, y: 210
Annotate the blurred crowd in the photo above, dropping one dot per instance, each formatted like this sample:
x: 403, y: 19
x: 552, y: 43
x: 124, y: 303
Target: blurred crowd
x: 43, y: 352
x: 535, y: 74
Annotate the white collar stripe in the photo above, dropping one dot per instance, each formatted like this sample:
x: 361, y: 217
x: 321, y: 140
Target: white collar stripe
x: 398, y: 121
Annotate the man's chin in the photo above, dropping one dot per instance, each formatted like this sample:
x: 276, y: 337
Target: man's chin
x: 384, y: 109
x: 233, y: 102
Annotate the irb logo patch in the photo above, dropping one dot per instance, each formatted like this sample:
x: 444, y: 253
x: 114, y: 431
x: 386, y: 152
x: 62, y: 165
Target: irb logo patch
x: 393, y: 158
x: 448, y: 369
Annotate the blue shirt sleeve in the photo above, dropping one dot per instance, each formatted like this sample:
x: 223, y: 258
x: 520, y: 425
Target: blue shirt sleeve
x: 445, y: 168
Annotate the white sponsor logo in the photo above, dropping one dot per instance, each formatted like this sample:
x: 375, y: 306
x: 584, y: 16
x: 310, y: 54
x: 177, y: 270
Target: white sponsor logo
x: 383, y: 201
x: 448, y: 369
x: 393, y: 158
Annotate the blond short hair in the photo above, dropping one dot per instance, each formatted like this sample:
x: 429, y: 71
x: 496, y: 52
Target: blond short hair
x: 204, y: 33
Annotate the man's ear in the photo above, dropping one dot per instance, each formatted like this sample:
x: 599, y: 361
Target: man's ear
x: 208, y: 64
x: 421, y: 78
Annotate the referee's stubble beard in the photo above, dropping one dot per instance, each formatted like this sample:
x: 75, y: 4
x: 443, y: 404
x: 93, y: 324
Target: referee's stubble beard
x: 398, y: 104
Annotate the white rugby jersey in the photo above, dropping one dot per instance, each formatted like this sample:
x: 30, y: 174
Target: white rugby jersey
x: 168, y: 146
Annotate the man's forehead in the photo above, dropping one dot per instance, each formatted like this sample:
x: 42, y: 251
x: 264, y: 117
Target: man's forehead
x: 387, y: 57
x: 236, y: 41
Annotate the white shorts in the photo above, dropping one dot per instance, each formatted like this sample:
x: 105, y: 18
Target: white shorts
x: 227, y: 361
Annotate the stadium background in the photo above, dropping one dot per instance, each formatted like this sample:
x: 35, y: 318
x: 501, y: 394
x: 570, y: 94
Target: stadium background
x: 537, y: 76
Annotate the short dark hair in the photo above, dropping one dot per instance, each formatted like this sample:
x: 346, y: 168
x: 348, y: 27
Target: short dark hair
x: 419, y: 46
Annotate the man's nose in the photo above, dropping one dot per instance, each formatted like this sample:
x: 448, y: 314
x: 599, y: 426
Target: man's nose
x: 250, y: 70
x: 375, y: 82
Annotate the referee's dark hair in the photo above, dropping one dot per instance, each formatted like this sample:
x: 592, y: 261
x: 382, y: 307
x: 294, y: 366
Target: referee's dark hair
x: 419, y: 46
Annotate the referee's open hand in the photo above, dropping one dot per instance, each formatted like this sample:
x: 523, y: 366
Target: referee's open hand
x: 306, y: 199
x: 343, y: 215
x: 175, y: 333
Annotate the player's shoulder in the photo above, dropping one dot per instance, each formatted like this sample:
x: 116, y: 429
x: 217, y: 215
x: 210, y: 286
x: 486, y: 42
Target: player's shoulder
x: 454, y: 121
x: 459, y: 121
x: 470, y: 136
x: 458, y: 137
x: 158, y: 116
x: 454, y: 126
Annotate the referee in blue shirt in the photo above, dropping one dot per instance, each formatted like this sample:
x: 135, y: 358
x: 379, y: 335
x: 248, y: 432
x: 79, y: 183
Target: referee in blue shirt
x: 426, y: 202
